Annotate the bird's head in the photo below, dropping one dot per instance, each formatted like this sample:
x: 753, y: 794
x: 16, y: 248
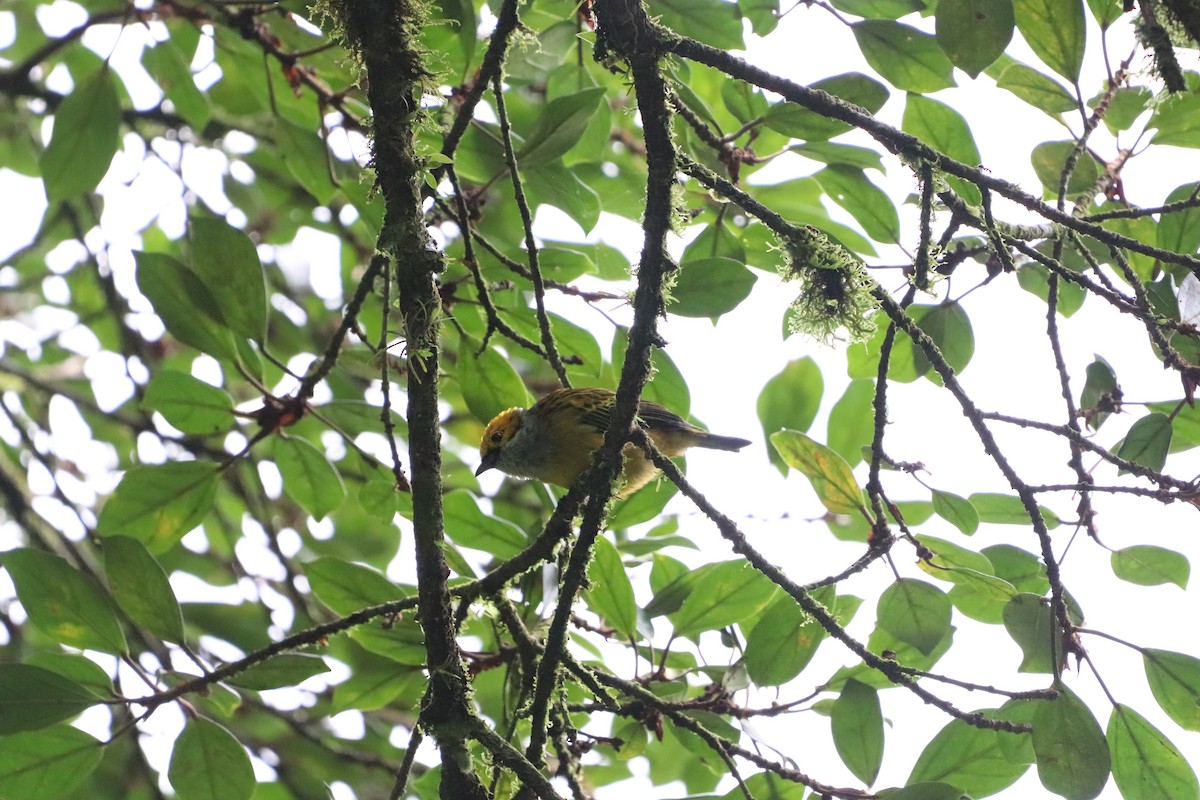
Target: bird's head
x: 499, y: 432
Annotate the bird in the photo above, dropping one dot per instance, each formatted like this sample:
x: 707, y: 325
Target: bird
x: 553, y: 440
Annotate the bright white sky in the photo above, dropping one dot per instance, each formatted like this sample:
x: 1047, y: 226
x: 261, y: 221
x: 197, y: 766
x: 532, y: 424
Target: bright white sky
x: 726, y: 367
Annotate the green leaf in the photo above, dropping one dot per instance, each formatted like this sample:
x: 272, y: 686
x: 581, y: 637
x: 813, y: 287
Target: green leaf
x: 1187, y: 345
x: 86, y: 135
x: 1162, y: 299
x: 1004, y: 509
x: 157, y: 504
x: 956, y: 510
x: 790, y: 399
x: 829, y: 474
x: 592, y: 147
x: 1035, y: 279
x: 47, y: 764
x: 671, y: 581
x: 170, y: 66
x: 1055, y: 31
x: 217, y: 700
x: 184, y: 303
x: 907, y: 58
x: 915, y: 612
x: 1036, y: 89
x: 1019, y: 567
x: 1176, y: 120
x: 609, y: 593
x: 401, y: 642
x: 862, y: 358
x: 554, y: 184
x: 63, y: 602
x: 307, y: 159
x: 660, y: 537
x: 733, y: 591
x: 949, y: 327
x: 1174, y: 680
x: 799, y: 200
x: 924, y: 791
x: 1128, y: 104
x: 783, y: 642
x: 633, y: 737
x: 645, y: 505
x: 1179, y: 231
x: 980, y: 596
x: 1144, y: 230
x: 227, y: 262
x: 710, y: 287
x: 767, y: 786
x: 77, y: 667
x: 870, y: 206
x: 798, y: 122
x: 1147, y: 565
x: 1145, y: 765
x: 208, y: 763
x: 308, y: 477
x: 488, y: 381
x: 879, y: 9
x: 668, y: 387
x: 1028, y: 620
x: 1017, y: 747
x: 1101, y: 393
x: 32, y: 698
x: 973, y: 33
x: 852, y: 421
x: 457, y: 33
x: 562, y: 264
x: 376, y: 684
x: 141, y: 589
x: 832, y: 153
x: 188, y: 403
x: 717, y: 239
x: 762, y: 14
x: 468, y: 526
x: 882, y: 640
x: 969, y: 758
x: 713, y: 722
x: 1148, y: 442
x: 857, y: 723
x: 559, y: 126
x: 1106, y: 12
x: 1072, y: 755
x: 977, y: 591
x: 346, y: 587
x: 743, y: 100
x: 948, y: 557
x: 713, y: 22
x: 945, y: 130
x: 285, y: 669
x: 1050, y: 158
x: 571, y: 339
x: 1186, y: 425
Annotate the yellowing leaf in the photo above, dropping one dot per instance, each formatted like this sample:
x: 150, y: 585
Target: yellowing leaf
x: 828, y: 472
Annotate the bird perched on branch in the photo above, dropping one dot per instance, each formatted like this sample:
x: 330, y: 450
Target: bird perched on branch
x: 554, y: 439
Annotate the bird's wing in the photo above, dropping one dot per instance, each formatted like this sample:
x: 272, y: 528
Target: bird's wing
x: 651, y: 416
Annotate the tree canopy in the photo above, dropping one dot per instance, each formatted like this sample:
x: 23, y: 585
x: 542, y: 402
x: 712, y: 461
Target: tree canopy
x: 293, y: 259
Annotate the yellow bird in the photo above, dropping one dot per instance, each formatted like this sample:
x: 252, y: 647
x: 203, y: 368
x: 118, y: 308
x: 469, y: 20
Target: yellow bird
x: 554, y: 439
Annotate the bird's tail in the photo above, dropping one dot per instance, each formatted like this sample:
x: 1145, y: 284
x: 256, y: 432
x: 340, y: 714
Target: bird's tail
x: 714, y: 442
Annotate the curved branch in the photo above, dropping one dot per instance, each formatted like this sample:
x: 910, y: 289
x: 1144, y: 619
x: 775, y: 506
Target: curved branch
x: 892, y: 670
x: 900, y: 142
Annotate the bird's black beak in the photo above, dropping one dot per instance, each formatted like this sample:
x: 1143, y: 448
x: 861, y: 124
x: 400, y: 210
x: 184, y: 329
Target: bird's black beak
x: 489, y: 461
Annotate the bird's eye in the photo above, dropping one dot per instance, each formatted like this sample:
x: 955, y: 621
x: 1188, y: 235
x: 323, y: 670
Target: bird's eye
x: 497, y: 437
